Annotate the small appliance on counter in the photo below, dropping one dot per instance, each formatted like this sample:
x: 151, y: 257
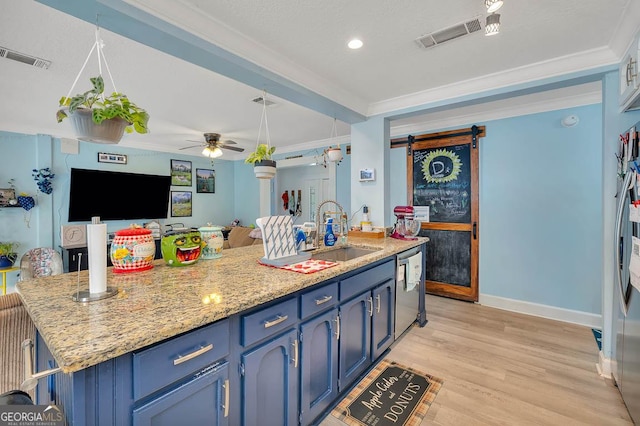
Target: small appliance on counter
x: 406, y: 227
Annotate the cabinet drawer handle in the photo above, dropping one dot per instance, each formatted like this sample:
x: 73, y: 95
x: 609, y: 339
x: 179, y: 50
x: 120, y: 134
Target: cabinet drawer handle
x: 193, y: 354
x: 226, y: 397
x: 278, y: 320
x: 323, y: 300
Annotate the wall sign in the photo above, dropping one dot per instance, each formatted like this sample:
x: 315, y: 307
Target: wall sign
x: 105, y: 157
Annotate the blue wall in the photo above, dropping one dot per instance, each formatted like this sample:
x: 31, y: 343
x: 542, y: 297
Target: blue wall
x: 22, y: 153
x: 540, y: 209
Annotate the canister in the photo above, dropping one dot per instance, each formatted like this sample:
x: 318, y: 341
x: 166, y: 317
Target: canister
x: 132, y: 250
x: 213, y: 241
x: 181, y: 247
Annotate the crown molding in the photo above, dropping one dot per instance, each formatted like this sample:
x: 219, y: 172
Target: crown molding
x: 588, y: 94
x: 578, y: 62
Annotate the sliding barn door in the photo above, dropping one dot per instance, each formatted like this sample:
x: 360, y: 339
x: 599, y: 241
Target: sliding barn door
x: 442, y: 174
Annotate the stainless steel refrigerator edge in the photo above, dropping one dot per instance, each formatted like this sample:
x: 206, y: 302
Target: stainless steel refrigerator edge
x: 627, y: 371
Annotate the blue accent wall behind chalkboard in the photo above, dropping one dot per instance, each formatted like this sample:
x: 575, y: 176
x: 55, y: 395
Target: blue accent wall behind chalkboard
x: 541, y: 209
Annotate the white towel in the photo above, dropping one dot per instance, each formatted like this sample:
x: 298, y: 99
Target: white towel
x: 413, y: 271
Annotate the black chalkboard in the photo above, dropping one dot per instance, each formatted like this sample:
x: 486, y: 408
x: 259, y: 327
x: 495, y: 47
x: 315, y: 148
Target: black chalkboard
x: 442, y: 181
x: 448, y: 256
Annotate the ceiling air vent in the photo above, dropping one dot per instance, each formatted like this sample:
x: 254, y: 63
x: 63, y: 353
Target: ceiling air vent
x: 451, y: 33
x: 25, y: 59
x: 260, y: 100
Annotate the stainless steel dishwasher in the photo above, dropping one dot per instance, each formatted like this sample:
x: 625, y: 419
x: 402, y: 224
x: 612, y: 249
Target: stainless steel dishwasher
x: 409, y: 291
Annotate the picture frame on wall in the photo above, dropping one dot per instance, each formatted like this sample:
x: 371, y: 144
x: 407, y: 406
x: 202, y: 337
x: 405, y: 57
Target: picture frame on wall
x: 206, y: 181
x: 181, y: 203
x: 180, y: 173
x: 7, y: 195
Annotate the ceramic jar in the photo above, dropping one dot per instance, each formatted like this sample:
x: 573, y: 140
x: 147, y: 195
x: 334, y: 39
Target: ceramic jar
x: 213, y: 241
x: 132, y: 250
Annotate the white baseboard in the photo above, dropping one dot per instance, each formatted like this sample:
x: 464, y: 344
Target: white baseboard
x: 545, y: 311
x: 605, y: 365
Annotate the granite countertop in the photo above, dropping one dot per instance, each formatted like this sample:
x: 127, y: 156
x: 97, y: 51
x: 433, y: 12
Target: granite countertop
x: 165, y: 301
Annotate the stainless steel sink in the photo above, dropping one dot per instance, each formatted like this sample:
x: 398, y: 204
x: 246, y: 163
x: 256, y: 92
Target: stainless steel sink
x: 343, y: 253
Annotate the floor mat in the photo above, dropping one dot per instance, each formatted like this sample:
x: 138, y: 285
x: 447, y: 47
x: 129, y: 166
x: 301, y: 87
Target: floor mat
x: 391, y: 394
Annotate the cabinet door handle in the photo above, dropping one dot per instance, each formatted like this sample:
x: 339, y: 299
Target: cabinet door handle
x: 192, y: 355
x: 337, y: 320
x: 295, y: 353
x: 630, y: 68
x: 226, y: 397
x: 278, y: 320
x: 370, y: 300
x: 378, y: 304
x: 323, y: 300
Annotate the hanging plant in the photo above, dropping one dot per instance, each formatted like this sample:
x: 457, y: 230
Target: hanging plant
x: 43, y: 178
x: 263, y: 166
x: 99, y: 118
x: 93, y: 106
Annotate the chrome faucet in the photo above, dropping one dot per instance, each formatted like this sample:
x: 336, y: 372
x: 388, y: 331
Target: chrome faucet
x: 342, y: 216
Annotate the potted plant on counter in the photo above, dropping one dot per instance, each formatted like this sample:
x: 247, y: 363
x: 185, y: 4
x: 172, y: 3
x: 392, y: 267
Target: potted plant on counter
x: 8, y: 254
x: 102, y: 119
x: 263, y: 166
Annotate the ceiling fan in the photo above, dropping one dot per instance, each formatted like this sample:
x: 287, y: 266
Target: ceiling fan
x: 212, y: 145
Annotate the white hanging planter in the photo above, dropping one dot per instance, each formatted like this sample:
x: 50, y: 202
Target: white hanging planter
x: 334, y: 154
x: 265, y: 169
x: 108, y: 132
x: 263, y: 166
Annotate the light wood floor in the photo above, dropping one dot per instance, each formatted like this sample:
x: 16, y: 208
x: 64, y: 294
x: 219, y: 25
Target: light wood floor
x: 503, y: 368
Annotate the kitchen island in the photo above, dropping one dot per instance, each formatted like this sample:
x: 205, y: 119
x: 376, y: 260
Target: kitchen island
x: 165, y: 302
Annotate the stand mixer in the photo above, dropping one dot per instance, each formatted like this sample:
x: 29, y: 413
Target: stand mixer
x: 406, y: 227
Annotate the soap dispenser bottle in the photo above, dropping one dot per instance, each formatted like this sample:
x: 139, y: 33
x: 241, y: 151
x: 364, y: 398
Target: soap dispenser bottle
x: 329, y: 237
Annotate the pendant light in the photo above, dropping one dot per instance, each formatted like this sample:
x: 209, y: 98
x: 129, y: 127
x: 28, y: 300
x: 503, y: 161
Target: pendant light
x: 493, y: 5
x: 492, y: 26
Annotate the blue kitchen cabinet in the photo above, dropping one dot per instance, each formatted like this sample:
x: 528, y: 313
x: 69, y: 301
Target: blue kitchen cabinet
x: 366, y: 321
x: 204, y: 400
x: 270, y: 382
x: 355, y: 338
x: 319, y: 364
x: 383, y: 319
x: 282, y: 363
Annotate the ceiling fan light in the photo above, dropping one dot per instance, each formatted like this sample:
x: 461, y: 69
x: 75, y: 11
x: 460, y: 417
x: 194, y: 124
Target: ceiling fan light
x: 212, y: 153
x: 493, y: 5
x: 492, y: 26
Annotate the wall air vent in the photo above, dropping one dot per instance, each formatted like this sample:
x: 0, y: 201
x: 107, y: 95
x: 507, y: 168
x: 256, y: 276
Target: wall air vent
x: 260, y: 100
x: 25, y: 59
x: 447, y: 34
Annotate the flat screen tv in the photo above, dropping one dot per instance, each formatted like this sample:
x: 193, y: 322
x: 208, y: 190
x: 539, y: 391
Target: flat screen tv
x: 117, y: 196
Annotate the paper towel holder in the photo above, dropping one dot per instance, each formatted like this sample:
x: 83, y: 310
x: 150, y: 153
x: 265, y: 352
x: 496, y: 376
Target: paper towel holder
x: 85, y: 295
